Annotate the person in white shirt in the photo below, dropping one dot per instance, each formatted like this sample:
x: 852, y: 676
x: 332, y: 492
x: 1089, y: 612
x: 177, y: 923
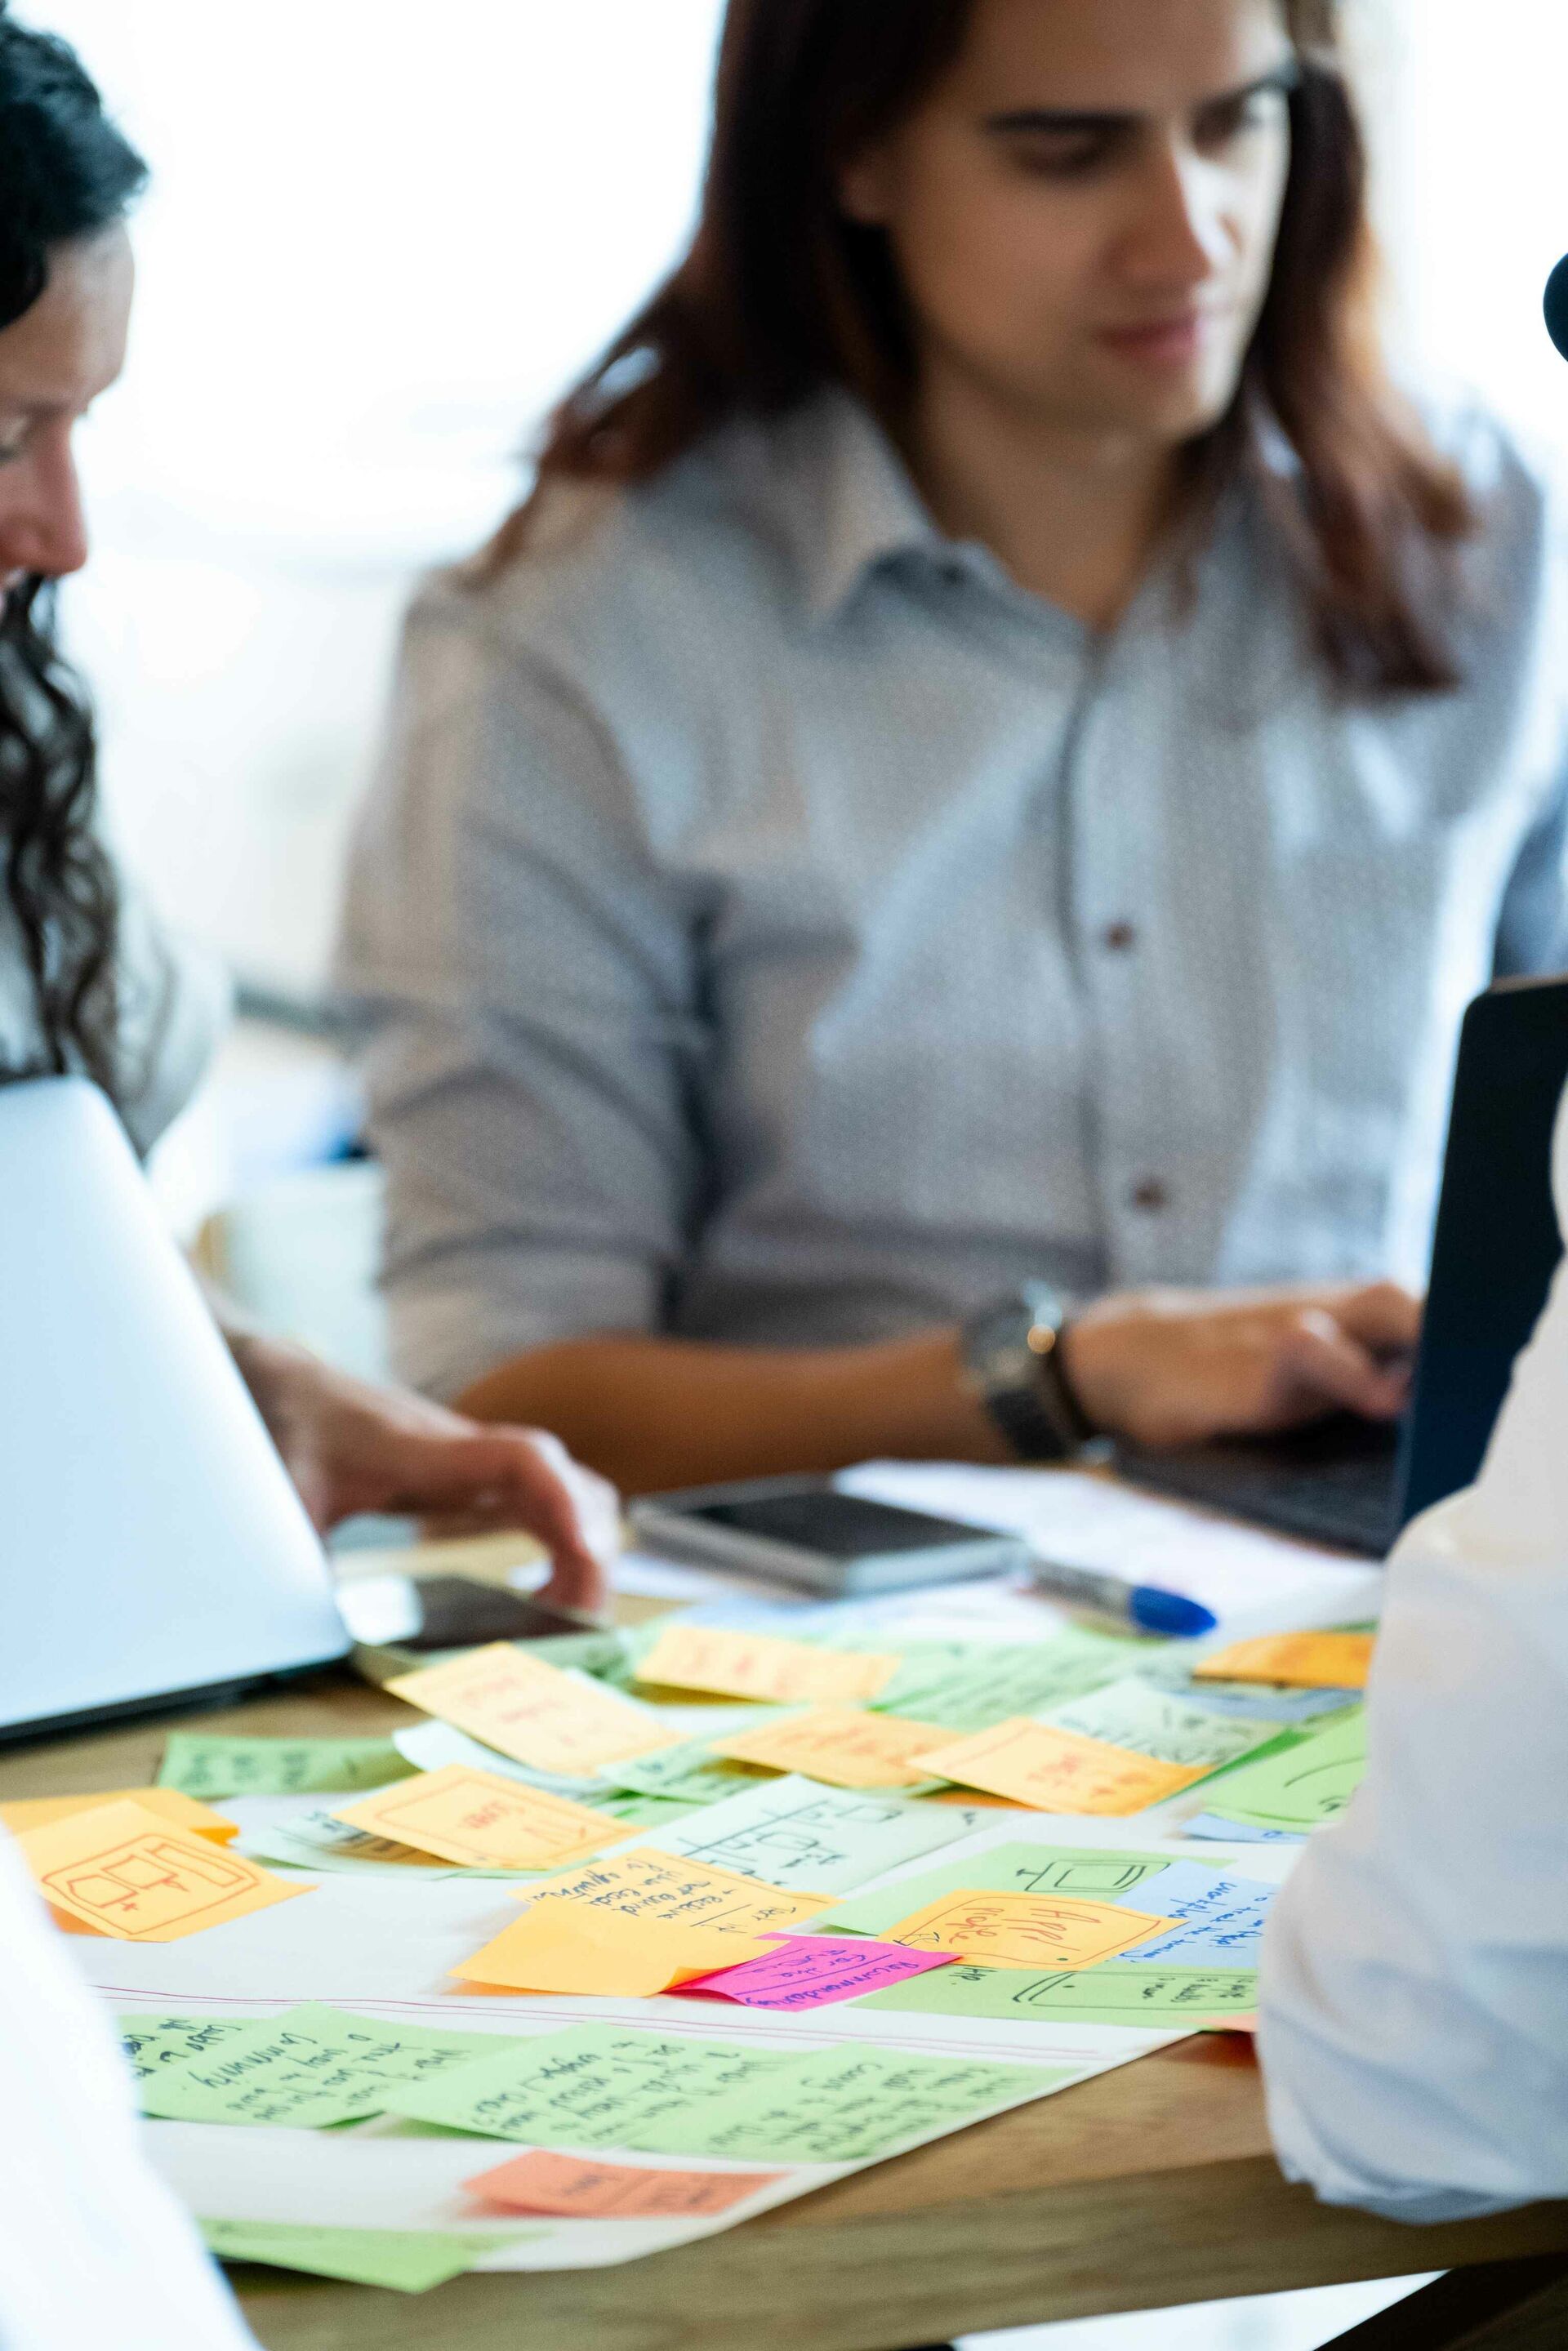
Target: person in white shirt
x: 1413, y: 1996
x: 93, y: 2248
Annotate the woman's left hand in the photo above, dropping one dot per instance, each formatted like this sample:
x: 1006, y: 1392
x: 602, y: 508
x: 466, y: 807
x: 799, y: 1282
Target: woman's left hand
x: 350, y: 1446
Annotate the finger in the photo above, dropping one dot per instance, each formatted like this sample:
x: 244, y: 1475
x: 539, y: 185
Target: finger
x: 1384, y: 1317
x: 1330, y: 1368
x: 548, y: 1496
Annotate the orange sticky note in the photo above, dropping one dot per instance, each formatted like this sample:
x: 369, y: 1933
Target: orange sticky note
x: 169, y: 1803
x: 838, y: 1745
x: 570, y: 1947
x: 1057, y: 1771
x: 570, y: 2186
x: 532, y: 1711
x: 647, y: 1884
x: 1295, y: 1661
x: 759, y: 1666
x: 481, y: 1820
x: 123, y: 1872
x: 1025, y: 1931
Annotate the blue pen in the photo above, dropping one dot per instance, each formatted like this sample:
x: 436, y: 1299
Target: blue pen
x: 1143, y: 1607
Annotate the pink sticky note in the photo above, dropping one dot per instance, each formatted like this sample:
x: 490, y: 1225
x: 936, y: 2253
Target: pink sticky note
x: 813, y: 1970
x: 573, y: 2185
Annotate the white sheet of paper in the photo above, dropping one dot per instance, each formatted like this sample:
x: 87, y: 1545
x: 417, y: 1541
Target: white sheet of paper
x: 1253, y: 1582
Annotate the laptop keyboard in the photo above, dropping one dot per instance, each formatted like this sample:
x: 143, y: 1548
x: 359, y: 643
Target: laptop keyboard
x: 1337, y: 1484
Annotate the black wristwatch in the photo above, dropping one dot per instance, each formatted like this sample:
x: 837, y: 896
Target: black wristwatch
x: 1012, y: 1362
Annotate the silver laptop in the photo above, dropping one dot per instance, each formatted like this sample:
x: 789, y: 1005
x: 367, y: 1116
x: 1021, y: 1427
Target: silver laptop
x: 151, y: 1547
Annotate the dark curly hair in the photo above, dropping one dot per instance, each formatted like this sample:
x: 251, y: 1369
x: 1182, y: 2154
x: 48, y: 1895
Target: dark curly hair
x: 66, y: 172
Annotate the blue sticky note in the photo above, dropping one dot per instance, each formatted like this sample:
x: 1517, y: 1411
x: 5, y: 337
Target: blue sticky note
x: 1210, y: 1826
x: 1222, y: 1917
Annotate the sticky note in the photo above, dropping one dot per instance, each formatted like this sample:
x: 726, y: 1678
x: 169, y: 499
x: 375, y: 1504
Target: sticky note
x: 846, y: 2105
x: 572, y: 1947
x: 1026, y: 1930
x: 1145, y: 1999
x: 1295, y: 1661
x: 212, y: 1768
x: 1057, y: 1771
x: 592, y: 2085
x: 319, y: 1840
x: 551, y: 1720
x: 800, y: 1836
x: 1220, y: 1918
x: 310, y: 2068
x: 843, y: 1746
x: 1300, y: 1787
x: 481, y: 1820
x: 689, y: 1774
x: 409, y: 2261
x: 570, y: 2188
x: 1155, y: 1722
x: 1080, y: 1872
x: 973, y: 1685
x: 759, y: 1666
x: 643, y: 1883
x: 123, y: 1872
x: 153, y: 2043
x: 815, y: 1972
x: 183, y: 1812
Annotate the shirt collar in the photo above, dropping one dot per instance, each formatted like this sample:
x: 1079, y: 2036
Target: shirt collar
x: 857, y: 506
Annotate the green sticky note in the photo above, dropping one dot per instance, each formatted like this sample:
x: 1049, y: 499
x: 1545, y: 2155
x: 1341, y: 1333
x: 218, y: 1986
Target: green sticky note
x: 846, y: 2105
x: 409, y: 2261
x: 1157, y: 1999
x: 152, y: 2044
x: 1302, y: 1784
x: 308, y: 2069
x: 970, y: 1685
x: 804, y: 1838
x: 691, y: 1772
x: 1149, y: 1721
x: 211, y: 1768
x: 1088, y: 1876
x: 592, y: 2085
x: 602, y: 1653
x: 642, y: 1811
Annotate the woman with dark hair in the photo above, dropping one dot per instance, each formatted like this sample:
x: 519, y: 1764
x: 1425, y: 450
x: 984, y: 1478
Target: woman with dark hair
x: 87, y: 984
x: 936, y: 862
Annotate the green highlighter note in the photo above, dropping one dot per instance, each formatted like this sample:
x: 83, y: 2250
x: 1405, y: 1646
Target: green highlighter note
x: 408, y: 2261
x: 1161, y: 2000
x: 1300, y: 1786
x: 1073, y: 1870
x: 211, y: 1768
x: 848, y: 2106
x: 308, y: 2069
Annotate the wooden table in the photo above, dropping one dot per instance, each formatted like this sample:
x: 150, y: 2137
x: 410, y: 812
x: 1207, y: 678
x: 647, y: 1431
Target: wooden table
x: 1148, y: 2187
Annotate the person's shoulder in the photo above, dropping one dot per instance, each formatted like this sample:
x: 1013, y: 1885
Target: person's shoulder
x: 1517, y: 482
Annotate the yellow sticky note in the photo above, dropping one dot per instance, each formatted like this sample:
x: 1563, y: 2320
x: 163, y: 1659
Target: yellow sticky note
x: 123, y: 1872
x: 1295, y: 1661
x: 1025, y: 1931
x: 478, y: 1819
x: 570, y: 1946
x: 1058, y: 1771
x: 532, y: 1711
x: 169, y: 1803
x: 846, y: 1749
x: 759, y: 1666
x: 647, y: 1884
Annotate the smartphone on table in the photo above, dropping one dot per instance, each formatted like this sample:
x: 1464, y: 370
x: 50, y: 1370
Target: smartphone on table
x: 804, y: 1531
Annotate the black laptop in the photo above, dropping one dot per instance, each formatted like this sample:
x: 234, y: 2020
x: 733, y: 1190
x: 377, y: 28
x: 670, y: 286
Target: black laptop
x: 1347, y: 1482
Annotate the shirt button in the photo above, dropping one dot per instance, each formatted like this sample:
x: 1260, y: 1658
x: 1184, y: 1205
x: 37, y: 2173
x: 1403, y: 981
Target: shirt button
x: 1151, y: 1195
x: 1120, y: 936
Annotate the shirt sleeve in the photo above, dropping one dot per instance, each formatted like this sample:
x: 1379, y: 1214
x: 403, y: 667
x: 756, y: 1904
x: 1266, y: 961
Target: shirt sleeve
x: 93, y: 2248
x: 1414, y: 1974
x: 526, y: 982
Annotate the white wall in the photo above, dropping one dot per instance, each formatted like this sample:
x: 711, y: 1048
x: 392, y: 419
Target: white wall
x: 383, y: 234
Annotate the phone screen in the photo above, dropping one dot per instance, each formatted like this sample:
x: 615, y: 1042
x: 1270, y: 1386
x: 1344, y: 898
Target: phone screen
x: 839, y: 1526
x: 443, y: 1611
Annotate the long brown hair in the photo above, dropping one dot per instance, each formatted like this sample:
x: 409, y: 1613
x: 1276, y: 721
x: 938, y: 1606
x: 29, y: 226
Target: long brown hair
x: 781, y: 294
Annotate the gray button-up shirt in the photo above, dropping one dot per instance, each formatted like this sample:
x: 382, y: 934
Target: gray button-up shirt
x: 773, y: 925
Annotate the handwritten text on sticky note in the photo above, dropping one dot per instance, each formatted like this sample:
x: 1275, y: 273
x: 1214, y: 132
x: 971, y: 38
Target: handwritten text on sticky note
x: 1025, y: 1931
x: 647, y: 1884
x: 845, y: 1748
x: 123, y: 1872
x: 551, y: 1720
x: 817, y: 1971
x: 570, y: 1946
x: 480, y: 1819
x: 1057, y: 1771
x: 758, y: 1665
